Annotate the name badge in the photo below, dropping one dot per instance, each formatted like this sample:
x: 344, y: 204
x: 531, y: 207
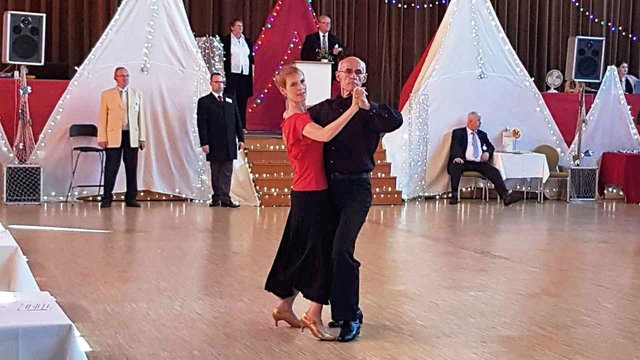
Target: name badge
x: 228, y: 100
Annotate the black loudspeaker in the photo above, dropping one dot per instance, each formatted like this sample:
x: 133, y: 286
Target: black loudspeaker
x: 585, y: 59
x: 23, y: 38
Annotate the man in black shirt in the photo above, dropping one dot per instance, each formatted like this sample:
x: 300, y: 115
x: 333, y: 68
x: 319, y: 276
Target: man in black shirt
x: 348, y: 161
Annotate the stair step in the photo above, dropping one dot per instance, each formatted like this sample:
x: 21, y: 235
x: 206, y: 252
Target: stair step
x: 272, y: 172
x: 265, y: 141
x: 387, y: 198
x: 282, y: 183
x: 256, y: 156
x: 382, y: 198
x: 280, y: 169
x: 250, y: 140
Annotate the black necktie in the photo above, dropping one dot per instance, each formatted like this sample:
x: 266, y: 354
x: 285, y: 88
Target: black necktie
x: 220, y: 98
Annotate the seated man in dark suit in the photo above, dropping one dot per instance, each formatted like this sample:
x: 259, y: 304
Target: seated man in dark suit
x: 471, y: 150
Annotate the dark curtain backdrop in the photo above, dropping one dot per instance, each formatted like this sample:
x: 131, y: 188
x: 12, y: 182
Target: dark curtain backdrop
x: 388, y: 38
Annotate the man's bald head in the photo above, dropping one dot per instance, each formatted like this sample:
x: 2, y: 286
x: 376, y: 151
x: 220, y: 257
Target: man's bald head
x: 352, y: 72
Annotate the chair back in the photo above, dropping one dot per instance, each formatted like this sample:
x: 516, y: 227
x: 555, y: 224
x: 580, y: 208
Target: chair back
x: 76, y: 130
x: 551, y: 154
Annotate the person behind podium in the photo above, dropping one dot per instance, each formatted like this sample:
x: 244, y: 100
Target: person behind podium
x: 323, y: 45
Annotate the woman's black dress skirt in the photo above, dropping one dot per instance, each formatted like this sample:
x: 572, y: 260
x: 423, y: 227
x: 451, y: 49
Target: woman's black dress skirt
x: 303, y: 261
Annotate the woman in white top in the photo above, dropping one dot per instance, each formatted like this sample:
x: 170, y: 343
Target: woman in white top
x: 238, y: 66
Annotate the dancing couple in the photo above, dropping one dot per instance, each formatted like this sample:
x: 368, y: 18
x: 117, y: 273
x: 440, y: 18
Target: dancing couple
x: 330, y: 199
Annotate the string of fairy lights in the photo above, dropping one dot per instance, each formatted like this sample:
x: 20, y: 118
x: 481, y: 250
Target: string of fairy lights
x: 271, y: 20
x: 613, y: 26
x: 417, y: 4
x: 295, y: 44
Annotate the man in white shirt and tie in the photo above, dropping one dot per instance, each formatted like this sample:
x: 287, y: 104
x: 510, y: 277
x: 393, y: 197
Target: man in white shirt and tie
x: 322, y: 44
x: 471, y: 150
x: 121, y: 131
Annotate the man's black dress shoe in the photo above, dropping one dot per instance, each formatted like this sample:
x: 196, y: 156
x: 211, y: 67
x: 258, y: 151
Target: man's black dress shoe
x: 105, y: 204
x: 349, y: 331
x: 337, y: 324
x: 453, y: 200
x: 229, y: 204
x: 132, y: 203
x: 215, y: 203
x: 511, y: 198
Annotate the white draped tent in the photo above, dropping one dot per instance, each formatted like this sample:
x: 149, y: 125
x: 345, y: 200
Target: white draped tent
x: 609, y: 124
x: 470, y: 66
x: 153, y: 39
x: 6, y: 153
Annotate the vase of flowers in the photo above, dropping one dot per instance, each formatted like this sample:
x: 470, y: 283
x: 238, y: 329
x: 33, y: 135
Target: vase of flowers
x: 517, y: 134
x: 324, y: 56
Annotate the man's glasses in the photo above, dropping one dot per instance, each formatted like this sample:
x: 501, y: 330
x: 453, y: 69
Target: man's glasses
x: 350, y: 72
x: 218, y: 82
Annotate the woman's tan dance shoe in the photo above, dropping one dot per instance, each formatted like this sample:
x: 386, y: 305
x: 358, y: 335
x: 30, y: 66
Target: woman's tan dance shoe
x: 312, y: 325
x: 287, y: 317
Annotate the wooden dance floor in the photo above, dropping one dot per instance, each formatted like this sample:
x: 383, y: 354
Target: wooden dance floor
x: 479, y: 280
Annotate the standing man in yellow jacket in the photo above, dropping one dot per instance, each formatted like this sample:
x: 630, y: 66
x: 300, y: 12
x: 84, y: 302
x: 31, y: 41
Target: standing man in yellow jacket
x: 121, y: 131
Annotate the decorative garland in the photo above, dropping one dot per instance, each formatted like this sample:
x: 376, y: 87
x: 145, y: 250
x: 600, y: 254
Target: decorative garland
x: 603, y: 22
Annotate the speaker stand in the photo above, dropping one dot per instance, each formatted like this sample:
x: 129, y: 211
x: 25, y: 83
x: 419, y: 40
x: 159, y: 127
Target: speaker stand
x: 582, y: 121
x: 24, y: 143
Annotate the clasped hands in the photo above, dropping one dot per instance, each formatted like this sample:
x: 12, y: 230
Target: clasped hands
x: 359, y: 98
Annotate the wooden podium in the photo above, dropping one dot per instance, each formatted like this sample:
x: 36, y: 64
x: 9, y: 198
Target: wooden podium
x: 318, y: 77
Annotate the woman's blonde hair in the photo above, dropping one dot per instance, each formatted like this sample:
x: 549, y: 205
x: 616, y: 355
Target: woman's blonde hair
x: 281, y: 78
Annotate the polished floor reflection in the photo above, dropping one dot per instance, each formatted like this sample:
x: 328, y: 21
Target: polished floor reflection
x: 479, y: 280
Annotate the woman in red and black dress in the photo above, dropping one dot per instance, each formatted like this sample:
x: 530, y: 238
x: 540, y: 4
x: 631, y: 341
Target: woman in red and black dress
x: 303, y: 261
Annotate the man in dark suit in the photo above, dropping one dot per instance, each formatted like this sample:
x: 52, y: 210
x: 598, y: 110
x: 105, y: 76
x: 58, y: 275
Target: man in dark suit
x: 322, y: 44
x: 471, y: 150
x: 219, y: 125
x: 238, y: 66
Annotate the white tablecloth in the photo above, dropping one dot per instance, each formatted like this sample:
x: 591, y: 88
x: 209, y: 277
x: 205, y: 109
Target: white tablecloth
x: 15, y: 274
x: 32, y: 326
x: 521, y: 166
